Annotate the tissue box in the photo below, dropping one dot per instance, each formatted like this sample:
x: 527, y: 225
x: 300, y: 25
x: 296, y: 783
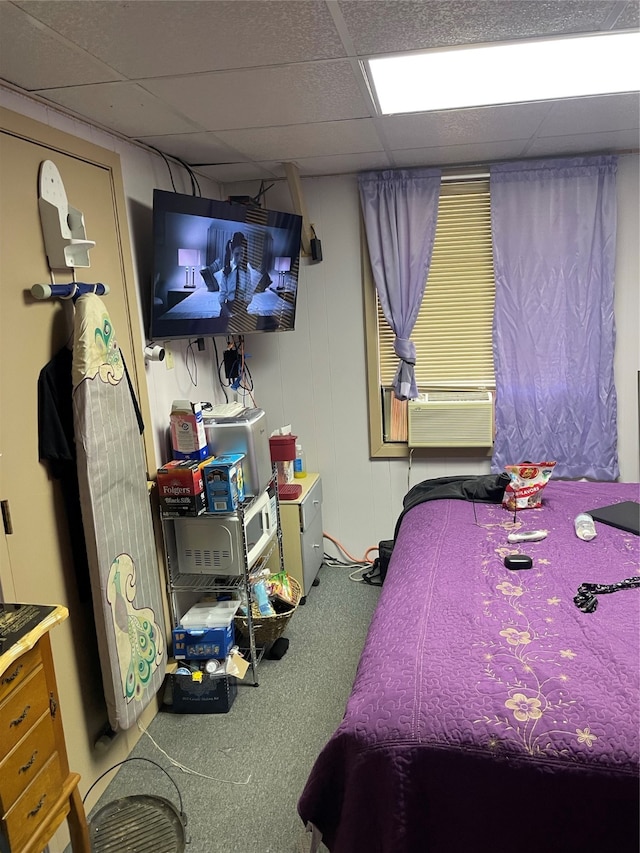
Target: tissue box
x: 188, y: 438
x: 224, y: 482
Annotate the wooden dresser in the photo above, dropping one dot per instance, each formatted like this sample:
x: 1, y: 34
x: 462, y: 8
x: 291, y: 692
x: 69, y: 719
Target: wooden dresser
x: 37, y: 791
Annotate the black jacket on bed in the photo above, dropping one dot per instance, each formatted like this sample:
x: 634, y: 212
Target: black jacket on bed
x: 481, y: 489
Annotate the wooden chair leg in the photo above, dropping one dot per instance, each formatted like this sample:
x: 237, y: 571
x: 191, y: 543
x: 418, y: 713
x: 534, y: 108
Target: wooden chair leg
x: 77, y: 820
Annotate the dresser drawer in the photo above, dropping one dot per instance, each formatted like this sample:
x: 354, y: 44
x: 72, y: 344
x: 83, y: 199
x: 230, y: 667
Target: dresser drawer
x: 312, y: 552
x: 35, y: 803
x: 25, y: 761
x: 311, y: 505
x: 19, y: 670
x: 22, y: 709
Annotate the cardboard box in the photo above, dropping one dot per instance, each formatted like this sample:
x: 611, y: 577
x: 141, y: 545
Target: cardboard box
x: 187, y: 506
x: 202, y: 643
x: 224, y: 482
x: 214, y: 694
x: 188, y: 438
x: 181, y: 488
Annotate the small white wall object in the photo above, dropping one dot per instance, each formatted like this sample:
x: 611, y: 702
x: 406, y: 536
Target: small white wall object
x: 154, y: 352
x: 62, y: 225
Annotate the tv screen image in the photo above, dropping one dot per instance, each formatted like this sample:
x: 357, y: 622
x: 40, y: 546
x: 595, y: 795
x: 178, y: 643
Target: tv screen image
x: 221, y: 268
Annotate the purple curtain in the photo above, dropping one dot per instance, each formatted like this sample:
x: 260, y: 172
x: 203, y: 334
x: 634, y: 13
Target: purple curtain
x: 554, y: 241
x: 400, y: 211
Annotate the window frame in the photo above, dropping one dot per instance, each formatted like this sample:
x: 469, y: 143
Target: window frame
x: 378, y: 447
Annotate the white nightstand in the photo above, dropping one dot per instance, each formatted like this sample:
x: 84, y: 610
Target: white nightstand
x: 302, y: 542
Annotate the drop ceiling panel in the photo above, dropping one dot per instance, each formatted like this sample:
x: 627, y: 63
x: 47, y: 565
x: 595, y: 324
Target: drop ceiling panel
x: 233, y: 172
x: 248, y: 84
x: 456, y: 127
x: 265, y: 97
x: 338, y: 164
x: 473, y: 153
x: 123, y: 107
x: 165, y: 37
x: 32, y: 57
x: 592, y: 115
x: 388, y: 26
x: 608, y: 141
x: 629, y: 18
x: 194, y: 147
x: 305, y: 140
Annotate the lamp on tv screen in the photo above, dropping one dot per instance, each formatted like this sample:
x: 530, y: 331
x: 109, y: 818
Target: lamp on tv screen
x: 221, y: 268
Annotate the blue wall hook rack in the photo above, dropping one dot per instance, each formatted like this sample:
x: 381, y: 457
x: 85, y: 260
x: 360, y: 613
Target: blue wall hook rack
x: 68, y: 291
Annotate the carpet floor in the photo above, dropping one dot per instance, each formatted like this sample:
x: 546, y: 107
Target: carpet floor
x: 245, y: 770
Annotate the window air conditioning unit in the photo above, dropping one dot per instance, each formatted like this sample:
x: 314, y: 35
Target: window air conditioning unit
x: 451, y: 419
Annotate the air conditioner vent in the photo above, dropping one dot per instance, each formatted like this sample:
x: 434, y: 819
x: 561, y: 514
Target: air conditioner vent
x: 455, y: 397
x: 451, y: 419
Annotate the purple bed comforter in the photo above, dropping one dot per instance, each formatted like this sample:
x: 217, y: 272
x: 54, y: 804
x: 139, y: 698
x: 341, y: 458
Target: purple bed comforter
x: 489, y: 714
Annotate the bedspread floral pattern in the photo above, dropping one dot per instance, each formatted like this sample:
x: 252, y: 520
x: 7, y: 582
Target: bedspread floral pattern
x: 500, y: 661
x: 525, y: 659
x: 489, y: 713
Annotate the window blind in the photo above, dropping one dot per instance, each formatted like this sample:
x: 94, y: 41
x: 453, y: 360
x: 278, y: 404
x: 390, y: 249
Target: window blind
x: 453, y: 332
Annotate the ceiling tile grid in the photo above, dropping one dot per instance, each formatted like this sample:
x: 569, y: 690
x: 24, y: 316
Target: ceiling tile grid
x: 248, y: 84
x: 30, y: 55
x: 157, y: 38
x: 127, y: 108
x: 265, y: 97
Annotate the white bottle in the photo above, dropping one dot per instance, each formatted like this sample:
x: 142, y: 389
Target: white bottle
x: 299, y: 466
x: 585, y: 528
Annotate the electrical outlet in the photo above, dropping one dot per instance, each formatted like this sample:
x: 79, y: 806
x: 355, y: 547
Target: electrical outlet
x: 168, y: 356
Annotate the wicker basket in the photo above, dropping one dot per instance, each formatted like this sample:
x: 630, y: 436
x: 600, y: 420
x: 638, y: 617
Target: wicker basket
x: 267, y: 629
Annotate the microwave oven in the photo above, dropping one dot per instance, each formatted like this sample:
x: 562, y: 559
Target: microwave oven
x: 217, y: 544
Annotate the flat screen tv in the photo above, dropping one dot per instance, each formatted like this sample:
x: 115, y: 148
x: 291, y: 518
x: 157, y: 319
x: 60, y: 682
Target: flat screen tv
x: 222, y: 268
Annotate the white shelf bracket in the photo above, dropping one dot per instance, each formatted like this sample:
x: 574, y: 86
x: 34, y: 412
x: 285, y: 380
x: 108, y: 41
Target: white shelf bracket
x: 63, y: 228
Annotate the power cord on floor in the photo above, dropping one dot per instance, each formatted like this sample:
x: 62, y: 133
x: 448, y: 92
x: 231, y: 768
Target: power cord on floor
x: 359, y: 566
x: 188, y: 769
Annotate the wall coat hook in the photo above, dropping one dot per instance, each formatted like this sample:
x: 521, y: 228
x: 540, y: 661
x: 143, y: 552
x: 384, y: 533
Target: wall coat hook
x: 65, y: 239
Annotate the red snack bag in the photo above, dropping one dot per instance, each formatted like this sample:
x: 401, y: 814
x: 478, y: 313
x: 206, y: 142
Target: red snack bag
x: 528, y: 479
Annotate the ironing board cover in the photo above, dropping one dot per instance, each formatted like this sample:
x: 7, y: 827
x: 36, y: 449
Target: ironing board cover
x: 117, y: 521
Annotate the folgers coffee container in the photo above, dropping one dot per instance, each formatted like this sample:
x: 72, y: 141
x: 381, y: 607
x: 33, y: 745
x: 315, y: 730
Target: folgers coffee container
x: 181, y: 488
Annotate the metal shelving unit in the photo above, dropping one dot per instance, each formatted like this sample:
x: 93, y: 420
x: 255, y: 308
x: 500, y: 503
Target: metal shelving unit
x: 185, y: 588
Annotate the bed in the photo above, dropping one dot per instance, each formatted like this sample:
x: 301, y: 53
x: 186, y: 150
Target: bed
x: 489, y: 713
x: 202, y: 304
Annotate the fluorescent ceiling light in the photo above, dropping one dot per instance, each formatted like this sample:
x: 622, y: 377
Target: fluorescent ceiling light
x: 508, y: 73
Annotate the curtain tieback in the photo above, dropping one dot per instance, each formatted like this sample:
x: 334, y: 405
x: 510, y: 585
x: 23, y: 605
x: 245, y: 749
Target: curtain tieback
x: 405, y: 349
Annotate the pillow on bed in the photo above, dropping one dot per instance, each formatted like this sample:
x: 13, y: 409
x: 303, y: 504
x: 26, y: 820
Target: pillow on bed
x: 208, y: 274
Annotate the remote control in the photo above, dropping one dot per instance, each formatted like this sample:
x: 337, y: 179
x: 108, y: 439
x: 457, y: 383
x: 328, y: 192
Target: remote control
x: 532, y: 536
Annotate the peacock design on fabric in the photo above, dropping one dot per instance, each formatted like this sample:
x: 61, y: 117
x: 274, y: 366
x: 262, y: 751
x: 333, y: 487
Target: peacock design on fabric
x: 111, y: 367
x: 95, y: 351
x: 138, y: 636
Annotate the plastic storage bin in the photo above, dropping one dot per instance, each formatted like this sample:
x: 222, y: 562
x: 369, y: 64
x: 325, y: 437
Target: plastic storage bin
x: 210, y: 614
